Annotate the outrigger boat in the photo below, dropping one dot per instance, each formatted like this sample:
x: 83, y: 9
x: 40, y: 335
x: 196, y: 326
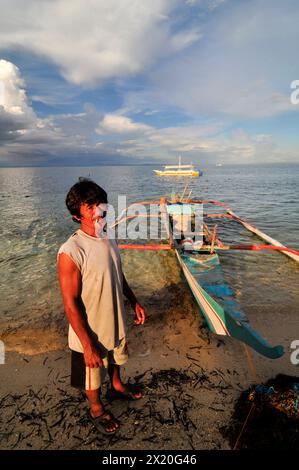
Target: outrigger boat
x: 200, y: 263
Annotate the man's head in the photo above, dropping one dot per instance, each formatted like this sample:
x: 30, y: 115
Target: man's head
x: 83, y: 197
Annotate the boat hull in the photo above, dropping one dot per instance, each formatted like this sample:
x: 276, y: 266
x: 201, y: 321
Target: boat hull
x: 176, y: 173
x: 221, y: 320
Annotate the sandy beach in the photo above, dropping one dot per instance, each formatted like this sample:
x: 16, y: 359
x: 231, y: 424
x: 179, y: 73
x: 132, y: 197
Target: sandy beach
x: 191, y: 381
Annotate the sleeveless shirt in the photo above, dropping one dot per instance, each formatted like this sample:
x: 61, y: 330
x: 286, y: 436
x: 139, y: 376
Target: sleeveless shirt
x: 99, y: 263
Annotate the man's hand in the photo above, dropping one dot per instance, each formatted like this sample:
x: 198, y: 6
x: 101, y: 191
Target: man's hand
x: 92, y: 356
x: 139, y: 314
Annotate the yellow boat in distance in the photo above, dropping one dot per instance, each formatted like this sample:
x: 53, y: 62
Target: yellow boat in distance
x: 178, y: 170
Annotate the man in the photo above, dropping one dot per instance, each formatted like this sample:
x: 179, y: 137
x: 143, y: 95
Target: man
x: 92, y: 285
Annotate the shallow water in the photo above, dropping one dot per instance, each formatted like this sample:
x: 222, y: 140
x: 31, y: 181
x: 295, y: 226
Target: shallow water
x: 35, y: 222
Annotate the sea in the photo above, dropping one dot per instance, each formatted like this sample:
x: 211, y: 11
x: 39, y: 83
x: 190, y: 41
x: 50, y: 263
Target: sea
x: 35, y: 222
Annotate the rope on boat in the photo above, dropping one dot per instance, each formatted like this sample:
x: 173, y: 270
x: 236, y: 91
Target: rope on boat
x: 254, y: 374
x: 244, y: 426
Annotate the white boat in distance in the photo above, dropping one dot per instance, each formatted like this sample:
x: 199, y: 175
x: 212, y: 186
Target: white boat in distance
x: 178, y: 170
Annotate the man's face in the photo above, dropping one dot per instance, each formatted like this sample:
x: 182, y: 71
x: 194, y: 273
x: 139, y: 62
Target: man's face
x: 90, y: 213
x: 93, y: 218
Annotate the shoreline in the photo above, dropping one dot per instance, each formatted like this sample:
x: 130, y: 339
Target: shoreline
x: 36, y: 339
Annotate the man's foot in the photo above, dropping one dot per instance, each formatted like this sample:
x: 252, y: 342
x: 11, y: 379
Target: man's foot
x: 125, y: 392
x: 105, y: 423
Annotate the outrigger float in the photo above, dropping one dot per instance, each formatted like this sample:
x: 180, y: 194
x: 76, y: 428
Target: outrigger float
x: 200, y: 263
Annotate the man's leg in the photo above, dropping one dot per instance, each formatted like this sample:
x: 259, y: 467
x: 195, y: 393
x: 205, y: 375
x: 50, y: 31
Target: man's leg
x: 118, y: 385
x: 97, y: 409
x: 89, y: 380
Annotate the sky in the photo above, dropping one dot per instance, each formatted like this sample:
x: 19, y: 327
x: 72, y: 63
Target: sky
x: 90, y: 82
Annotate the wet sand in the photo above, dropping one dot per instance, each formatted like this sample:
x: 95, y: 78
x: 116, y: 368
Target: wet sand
x: 191, y: 380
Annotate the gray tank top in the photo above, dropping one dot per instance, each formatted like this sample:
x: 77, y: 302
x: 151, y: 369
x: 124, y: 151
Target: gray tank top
x: 102, y: 288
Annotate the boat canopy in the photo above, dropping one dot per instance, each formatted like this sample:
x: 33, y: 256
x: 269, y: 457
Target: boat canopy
x: 180, y: 209
x: 179, y: 166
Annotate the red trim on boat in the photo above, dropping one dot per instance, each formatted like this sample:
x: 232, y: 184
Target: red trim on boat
x: 144, y: 247
x: 262, y: 247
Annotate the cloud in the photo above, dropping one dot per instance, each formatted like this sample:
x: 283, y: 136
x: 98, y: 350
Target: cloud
x: 16, y: 115
x: 74, y: 137
x: 13, y: 96
x: 94, y: 41
x: 242, y: 69
x: 136, y: 138
x: 24, y: 137
x: 196, y: 73
x: 202, y: 144
x: 237, y: 60
x: 210, y: 4
x: 185, y: 39
x: 207, y: 143
x: 116, y: 124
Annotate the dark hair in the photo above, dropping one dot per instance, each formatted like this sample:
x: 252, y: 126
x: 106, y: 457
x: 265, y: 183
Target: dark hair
x: 85, y: 191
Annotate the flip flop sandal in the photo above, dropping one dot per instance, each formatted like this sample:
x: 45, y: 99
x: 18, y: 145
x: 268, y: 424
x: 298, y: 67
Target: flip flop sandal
x: 131, y: 390
x: 101, y: 423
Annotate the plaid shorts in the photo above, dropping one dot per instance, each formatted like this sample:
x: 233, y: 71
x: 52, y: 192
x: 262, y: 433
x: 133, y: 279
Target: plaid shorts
x: 91, y: 378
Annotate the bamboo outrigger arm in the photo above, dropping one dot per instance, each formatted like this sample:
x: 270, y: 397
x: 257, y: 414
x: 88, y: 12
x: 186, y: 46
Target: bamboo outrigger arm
x: 273, y: 244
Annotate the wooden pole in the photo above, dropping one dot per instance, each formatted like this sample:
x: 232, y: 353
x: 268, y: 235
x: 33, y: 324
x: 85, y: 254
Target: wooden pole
x: 213, y: 239
x: 165, y: 219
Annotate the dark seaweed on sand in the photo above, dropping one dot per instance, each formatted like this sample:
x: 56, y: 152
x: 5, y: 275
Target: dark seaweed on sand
x: 274, y: 419
x: 58, y: 420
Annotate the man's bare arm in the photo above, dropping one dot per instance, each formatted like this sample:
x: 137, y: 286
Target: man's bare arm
x: 127, y: 291
x: 139, y: 311
x: 71, y: 284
